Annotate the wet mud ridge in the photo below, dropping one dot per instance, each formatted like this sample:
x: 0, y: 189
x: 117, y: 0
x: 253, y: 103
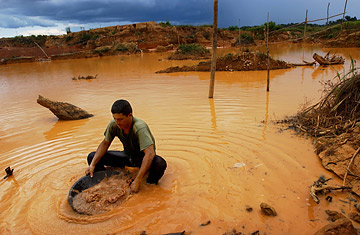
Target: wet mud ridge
x: 244, y: 61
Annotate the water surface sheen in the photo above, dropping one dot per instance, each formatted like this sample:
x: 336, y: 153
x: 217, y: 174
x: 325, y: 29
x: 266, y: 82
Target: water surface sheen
x: 223, y: 154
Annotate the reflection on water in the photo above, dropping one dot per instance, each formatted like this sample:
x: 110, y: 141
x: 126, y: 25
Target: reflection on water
x: 223, y: 154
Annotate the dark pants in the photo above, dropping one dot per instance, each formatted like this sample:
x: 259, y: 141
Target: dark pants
x: 120, y: 159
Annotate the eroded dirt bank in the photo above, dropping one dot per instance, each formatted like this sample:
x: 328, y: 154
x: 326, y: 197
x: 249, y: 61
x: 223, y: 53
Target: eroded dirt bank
x: 147, y: 37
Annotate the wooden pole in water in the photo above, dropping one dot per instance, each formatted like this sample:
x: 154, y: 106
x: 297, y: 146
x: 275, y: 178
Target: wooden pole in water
x: 305, y: 23
x: 343, y: 15
x: 214, y: 46
x: 268, y: 57
x: 327, y: 18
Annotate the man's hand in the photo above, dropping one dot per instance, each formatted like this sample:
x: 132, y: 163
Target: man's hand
x: 90, y: 170
x: 134, y: 186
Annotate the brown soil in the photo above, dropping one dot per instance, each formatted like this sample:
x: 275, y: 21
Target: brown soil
x: 141, y: 37
x: 234, y: 62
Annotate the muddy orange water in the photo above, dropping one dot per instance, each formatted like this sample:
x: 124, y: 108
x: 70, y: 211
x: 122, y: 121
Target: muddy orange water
x: 223, y: 154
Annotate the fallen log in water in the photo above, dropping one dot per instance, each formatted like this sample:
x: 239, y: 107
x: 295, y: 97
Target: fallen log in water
x: 327, y: 60
x: 305, y: 63
x: 64, y: 111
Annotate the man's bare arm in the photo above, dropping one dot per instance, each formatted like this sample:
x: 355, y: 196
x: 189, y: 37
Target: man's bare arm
x: 100, y: 152
x: 145, y: 166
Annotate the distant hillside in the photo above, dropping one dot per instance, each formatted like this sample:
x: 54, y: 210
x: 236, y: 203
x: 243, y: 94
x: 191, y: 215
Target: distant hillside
x: 150, y: 36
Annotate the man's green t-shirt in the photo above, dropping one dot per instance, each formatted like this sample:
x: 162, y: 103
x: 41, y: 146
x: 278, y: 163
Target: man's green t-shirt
x: 138, y: 139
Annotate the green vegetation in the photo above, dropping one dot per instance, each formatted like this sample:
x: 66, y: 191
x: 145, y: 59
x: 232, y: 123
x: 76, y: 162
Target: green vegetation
x: 122, y: 47
x: 21, y: 40
x: 232, y: 28
x: 85, y: 37
x: 102, y: 50
x: 261, y: 55
x: 247, y: 38
x: 69, y: 38
x: 166, y: 24
x: 193, y: 48
x: 333, y: 28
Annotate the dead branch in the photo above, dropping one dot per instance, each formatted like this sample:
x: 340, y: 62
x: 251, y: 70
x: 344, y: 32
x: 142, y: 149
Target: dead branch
x: 327, y: 60
x: 348, y: 168
x: 320, y: 187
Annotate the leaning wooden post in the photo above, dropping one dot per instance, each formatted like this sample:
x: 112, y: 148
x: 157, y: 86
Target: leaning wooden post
x: 343, y: 15
x: 214, y: 46
x: 327, y: 18
x: 305, y: 23
x: 268, y: 57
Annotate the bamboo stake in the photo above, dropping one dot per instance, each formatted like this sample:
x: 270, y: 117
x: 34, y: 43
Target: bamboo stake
x: 305, y: 22
x: 214, y: 46
x: 327, y: 18
x: 343, y: 15
x: 268, y: 58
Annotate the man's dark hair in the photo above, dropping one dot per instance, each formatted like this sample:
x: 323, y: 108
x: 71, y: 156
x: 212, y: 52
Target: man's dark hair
x: 121, y: 106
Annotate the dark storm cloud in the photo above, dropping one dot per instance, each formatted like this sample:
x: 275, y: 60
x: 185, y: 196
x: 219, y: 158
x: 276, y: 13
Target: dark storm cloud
x: 86, y: 11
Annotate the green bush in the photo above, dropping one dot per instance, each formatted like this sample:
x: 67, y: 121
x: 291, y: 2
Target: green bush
x: 103, y: 50
x: 166, y: 24
x: 206, y: 35
x: 247, y: 38
x: 193, y: 48
x: 233, y: 28
x: 261, y: 55
x: 122, y: 48
x: 68, y: 38
x: 85, y: 37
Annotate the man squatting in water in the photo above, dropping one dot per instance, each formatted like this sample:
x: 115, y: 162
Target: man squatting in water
x: 138, y: 143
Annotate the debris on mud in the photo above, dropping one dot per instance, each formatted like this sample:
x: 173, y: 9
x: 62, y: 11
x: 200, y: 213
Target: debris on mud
x: 248, y: 208
x: 334, y: 215
x: 341, y: 225
x: 327, y: 60
x: 320, y: 187
x: 206, y: 223
x: 62, y: 110
x: 334, y: 123
x: 235, y: 232
x: 88, y: 77
x: 267, y: 209
x: 8, y: 172
x: 244, y: 61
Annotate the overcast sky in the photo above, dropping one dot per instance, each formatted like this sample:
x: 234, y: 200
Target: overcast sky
x: 51, y: 17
